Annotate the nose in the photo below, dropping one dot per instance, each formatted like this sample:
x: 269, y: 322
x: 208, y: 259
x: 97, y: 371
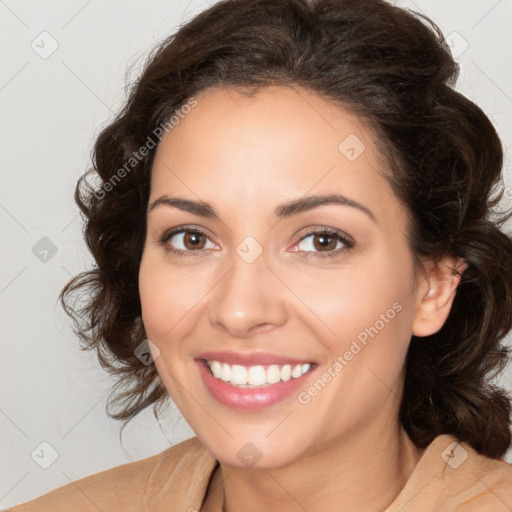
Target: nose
x: 249, y: 299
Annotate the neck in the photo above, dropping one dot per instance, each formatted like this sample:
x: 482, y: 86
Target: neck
x: 363, y: 473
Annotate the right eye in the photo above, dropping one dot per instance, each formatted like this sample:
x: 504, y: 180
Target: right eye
x: 182, y: 241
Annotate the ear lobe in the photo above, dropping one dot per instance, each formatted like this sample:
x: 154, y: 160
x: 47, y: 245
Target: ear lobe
x: 435, y: 297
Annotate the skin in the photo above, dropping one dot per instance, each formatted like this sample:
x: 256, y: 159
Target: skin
x: 244, y: 156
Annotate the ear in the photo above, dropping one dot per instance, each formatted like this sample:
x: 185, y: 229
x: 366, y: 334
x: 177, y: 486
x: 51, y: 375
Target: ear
x: 436, y: 292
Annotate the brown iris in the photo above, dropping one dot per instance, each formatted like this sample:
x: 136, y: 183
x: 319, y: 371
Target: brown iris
x: 324, y: 242
x: 193, y: 240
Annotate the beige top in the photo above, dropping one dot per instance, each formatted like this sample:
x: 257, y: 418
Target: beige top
x: 449, y: 477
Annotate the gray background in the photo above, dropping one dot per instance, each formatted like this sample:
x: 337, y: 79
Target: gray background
x: 52, y: 106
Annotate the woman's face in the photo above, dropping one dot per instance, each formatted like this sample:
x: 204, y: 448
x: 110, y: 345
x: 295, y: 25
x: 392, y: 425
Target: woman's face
x: 275, y: 246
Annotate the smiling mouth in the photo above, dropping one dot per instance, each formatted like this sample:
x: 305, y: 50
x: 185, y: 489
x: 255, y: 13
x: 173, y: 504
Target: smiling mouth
x: 258, y: 376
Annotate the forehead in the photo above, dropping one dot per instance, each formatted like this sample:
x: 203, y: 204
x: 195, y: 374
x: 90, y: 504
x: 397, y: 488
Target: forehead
x: 277, y: 143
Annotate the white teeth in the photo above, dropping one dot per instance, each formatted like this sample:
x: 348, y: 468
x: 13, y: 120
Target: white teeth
x: 273, y: 374
x: 238, y: 374
x: 216, y: 369
x: 256, y: 376
x: 226, y: 372
x: 286, y: 372
x: 297, y: 371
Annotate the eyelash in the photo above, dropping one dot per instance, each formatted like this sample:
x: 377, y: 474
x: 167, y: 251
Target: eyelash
x: 339, y: 236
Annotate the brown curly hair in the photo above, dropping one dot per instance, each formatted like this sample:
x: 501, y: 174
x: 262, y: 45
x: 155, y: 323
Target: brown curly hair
x: 390, y: 67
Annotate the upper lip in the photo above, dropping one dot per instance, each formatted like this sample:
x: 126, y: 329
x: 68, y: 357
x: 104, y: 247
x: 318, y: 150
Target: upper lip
x: 251, y: 358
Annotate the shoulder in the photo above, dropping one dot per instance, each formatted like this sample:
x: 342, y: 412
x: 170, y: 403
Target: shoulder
x: 120, y: 488
x: 487, y: 484
x: 453, y: 477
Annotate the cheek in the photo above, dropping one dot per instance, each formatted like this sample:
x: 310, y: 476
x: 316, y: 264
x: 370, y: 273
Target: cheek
x: 160, y: 297
x: 350, y: 301
x: 171, y: 298
x: 165, y: 302
x: 373, y: 331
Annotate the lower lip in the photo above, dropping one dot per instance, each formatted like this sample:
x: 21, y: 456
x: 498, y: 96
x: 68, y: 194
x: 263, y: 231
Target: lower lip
x: 245, y: 399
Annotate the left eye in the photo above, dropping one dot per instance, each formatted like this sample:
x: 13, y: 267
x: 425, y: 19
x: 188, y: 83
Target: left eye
x: 323, y: 241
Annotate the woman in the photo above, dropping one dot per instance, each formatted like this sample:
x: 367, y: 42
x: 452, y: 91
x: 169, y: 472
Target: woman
x: 294, y: 242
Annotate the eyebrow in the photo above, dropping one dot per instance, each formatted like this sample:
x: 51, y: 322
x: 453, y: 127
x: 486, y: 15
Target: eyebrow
x: 286, y: 209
